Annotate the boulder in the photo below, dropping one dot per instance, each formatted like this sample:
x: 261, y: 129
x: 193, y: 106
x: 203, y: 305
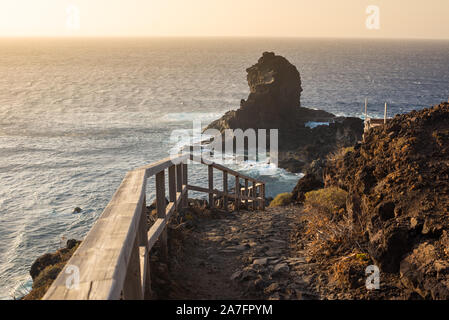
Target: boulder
x: 49, y: 259
x: 426, y: 272
x: 306, y: 184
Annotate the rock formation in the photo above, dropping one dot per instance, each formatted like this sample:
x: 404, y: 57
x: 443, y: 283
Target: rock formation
x: 46, y: 268
x: 398, y: 184
x: 274, y: 103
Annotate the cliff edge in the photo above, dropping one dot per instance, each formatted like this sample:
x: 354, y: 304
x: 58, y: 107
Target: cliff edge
x: 396, y: 186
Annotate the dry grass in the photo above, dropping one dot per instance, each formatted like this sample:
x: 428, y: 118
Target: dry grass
x: 350, y: 270
x: 339, y: 154
x: 281, y: 200
x: 334, y: 241
x: 46, y: 277
x: 329, y: 200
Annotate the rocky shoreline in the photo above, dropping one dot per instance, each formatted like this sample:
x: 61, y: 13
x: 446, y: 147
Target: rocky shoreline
x: 46, y: 268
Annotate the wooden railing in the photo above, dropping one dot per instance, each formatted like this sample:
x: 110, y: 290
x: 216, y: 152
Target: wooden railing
x: 112, y: 262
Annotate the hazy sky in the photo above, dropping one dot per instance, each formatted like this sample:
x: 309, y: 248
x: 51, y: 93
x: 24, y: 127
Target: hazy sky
x: 290, y: 18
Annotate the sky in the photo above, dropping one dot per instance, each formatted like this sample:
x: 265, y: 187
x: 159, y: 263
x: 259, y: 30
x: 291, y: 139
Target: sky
x: 260, y: 18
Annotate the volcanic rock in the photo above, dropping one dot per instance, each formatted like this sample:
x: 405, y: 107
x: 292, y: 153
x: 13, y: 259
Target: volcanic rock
x: 398, y: 184
x: 274, y: 103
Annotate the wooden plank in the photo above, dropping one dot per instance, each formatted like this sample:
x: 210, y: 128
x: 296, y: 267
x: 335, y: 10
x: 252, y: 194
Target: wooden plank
x: 104, y: 254
x: 161, y: 211
x: 169, y: 210
x: 145, y: 281
x: 97, y: 288
x: 254, y: 195
x: 143, y: 224
x: 172, y: 183
x: 155, y: 231
x: 246, y: 193
x: 251, y: 187
x: 237, y: 193
x: 178, y: 182
x: 217, y: 192
x: 163, y: 164
x: 211, y: 186
x: 184, y: 183
x: 225, y: 190
x: 56, y: 292
x: 144, y: 254
x: 179, y: 177
x: 132, y: 288
x: 201, y: 189
x: 263, y: 196
x: 179, y: 196
x: 222, y: 168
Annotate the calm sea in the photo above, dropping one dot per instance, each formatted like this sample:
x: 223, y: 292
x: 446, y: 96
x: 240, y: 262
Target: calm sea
x: 76, y: 115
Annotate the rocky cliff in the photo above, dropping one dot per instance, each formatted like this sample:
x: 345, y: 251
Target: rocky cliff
x: 46, y: 268
x: 398, y: 185
x: 274, y: 103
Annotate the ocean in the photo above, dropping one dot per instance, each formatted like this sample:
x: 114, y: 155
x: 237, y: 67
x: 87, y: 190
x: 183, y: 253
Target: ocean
x: 76, y: 115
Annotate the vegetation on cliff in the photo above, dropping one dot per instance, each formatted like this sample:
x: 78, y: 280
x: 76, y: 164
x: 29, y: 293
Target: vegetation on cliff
x: 396, y: 211
x: 282, y: 199
x: 47, y: 267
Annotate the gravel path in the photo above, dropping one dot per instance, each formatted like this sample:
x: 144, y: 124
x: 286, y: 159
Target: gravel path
x: 245, y: 255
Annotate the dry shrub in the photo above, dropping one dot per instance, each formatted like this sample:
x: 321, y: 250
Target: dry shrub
x: 329, y: 200
x: 52, y: 264
x: 281, y: 200
x: 328, y: 223
x: 334, y: 240
x: 350, y: 270
x: 339, y: 154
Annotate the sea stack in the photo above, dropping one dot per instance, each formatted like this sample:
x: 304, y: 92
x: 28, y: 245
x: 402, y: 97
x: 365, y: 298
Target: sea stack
x: 274, y: 98
x: 275, y: 92
x: 274, y: 102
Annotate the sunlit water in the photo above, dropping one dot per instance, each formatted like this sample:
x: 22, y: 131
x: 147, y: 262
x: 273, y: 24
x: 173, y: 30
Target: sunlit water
x: 76, y: 115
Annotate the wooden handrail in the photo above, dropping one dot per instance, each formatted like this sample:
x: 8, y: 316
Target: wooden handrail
x: 112, y: 262
x: 223, y: 168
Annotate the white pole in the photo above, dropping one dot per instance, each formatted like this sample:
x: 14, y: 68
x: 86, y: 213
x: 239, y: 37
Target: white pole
x: 366, y: 108
x: 385, y: 114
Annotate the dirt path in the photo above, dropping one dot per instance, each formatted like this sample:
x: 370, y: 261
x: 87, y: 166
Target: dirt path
x: 245, y: 255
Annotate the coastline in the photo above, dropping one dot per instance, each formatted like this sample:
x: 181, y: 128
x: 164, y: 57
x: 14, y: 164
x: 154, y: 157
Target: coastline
x: 311, y: 155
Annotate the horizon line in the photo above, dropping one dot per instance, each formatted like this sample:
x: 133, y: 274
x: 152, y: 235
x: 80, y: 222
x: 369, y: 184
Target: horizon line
x: 211, y: 37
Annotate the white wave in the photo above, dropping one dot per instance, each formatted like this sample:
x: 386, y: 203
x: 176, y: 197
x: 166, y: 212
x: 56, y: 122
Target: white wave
x: 313, y: 124
x: 265, y: 169
x: 205, y: 117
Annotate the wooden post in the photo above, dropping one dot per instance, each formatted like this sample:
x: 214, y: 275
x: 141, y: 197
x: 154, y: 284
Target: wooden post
x: 144, y: 253
x: 161, y: 210
x: 211, y: 186
x: 132, y: 289
x: 246, y: 194
x: 184, y: 183
x: 263, y: 196
x: 254, y: 196
x: 237, y: 193
x: 366, y: 108
x: 172, y: 183
x: 225, y: 190
x: 179, y: 177
x: 385, y: 114
x: 178, y: 180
